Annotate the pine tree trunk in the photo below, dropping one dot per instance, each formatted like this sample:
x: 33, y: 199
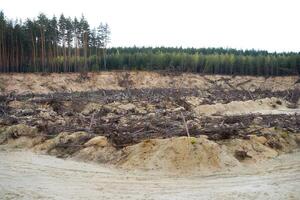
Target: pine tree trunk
x: 33, y: 52
x: 85, y: 51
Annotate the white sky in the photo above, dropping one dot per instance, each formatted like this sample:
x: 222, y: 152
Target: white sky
x: 273, y: 25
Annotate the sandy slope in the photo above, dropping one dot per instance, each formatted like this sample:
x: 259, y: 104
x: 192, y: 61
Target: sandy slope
x: 70, y: 82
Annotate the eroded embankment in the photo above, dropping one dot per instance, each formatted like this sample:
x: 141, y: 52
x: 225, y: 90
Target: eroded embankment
x: 43, y: 83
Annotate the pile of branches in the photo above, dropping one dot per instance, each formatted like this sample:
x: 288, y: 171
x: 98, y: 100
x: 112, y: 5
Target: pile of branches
x: 132, y: 127
x: 159, y: 126
x: 153, y: 95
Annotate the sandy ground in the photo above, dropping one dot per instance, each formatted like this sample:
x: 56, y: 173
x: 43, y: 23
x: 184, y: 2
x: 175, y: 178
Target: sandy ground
x: 259, y: 106
x: 24, y: 175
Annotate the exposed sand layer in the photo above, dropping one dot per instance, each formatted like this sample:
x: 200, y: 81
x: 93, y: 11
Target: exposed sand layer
x: 73, y: 82
x: 260, y: 106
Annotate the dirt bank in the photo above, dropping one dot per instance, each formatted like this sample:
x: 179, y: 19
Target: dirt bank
x: 141, y: 120
x: 74, y: 82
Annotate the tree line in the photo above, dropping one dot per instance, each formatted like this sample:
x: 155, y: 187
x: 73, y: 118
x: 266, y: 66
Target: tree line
x: 205, y: 60
x: 70, y: 45
x: 51, y: 44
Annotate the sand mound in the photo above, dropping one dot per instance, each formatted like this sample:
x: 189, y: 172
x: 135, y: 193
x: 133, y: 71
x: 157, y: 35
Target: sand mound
x: 98, y: 149
x: 260, y: 106
x: 16, y: 131
x: 182, y: 153
x: 65, y: 144
x: 99, y: 154
x: 177, y: 154
x: 249, y: 151
x: 20, y: 136
x: 189, y: 155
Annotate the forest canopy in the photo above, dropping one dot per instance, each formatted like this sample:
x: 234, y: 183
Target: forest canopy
x: 64, y: 44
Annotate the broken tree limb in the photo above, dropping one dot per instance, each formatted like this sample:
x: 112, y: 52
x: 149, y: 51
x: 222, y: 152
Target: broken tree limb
x: 185, y: 125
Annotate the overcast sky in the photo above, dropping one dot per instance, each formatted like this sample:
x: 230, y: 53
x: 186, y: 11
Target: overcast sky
x: 273, y: 25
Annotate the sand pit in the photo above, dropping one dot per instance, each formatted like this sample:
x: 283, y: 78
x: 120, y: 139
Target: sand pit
x: 141, y: 120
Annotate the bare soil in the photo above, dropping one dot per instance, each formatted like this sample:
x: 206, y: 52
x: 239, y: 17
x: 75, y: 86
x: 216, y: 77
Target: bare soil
x: 25, y: 175
x: 152, y: 121
x: 43, y: 83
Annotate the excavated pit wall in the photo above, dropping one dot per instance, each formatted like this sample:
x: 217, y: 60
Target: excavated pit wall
x: 42, y: 83
x: 140, y: 120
